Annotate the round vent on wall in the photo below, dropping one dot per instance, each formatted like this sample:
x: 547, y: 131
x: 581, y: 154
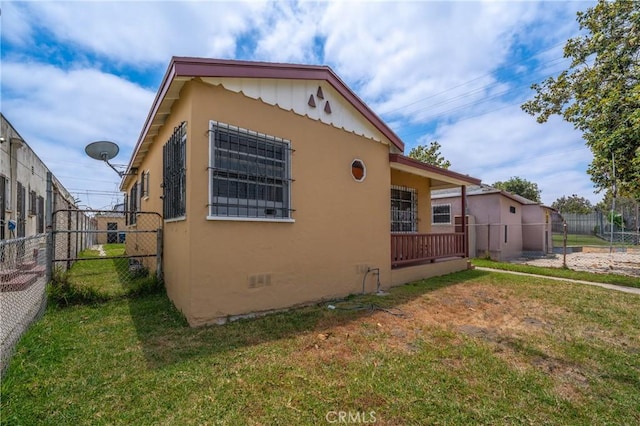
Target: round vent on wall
x: 358, y: 170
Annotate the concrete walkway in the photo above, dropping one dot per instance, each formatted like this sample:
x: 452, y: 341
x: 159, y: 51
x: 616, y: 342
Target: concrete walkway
x: 632, y: 290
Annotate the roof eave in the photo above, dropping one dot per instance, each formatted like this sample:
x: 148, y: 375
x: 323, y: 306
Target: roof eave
x: 409, y: 165
x: 187, y: 67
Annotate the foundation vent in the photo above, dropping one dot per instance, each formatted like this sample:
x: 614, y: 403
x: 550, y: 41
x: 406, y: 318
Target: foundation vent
x: 259, y: 280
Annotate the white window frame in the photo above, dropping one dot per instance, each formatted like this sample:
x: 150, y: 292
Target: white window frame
x: 251, y: 204
x: 433, y: 214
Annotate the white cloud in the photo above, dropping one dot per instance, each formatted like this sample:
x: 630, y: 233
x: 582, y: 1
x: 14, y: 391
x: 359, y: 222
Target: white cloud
x: 416, y: 49
x: 15, y: 24
x: 287, y: 32
x: 146, y: 32
x: 507, y: 143
x: 58, y: 112
x: 433, y: 63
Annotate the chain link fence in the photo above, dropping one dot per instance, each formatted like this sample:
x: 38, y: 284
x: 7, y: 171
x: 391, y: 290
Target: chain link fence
x: 22, y: 289
x: 106, y: 252
x: 547, y: 245
x: 616, y: 228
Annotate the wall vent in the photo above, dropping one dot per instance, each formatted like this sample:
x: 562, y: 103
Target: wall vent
x: 259, y: 280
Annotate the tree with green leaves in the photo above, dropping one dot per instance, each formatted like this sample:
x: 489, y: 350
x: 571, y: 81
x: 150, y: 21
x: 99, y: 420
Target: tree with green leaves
x: 572, y: 204
x: 430, y: 155
x: 521, y: 187
x: 599, y: 93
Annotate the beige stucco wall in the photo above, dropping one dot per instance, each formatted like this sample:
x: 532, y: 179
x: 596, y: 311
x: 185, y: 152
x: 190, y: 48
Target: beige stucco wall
x: 215, y: 269
x: 341, y: 226
x: 176, y: 246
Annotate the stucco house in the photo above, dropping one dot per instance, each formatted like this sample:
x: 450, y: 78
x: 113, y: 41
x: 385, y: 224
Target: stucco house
x: 502, y: 225
x: 278, y: 186
x: 110, y: 222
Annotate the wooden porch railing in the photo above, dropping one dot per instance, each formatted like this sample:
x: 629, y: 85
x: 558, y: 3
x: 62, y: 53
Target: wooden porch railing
x: 417, y: 248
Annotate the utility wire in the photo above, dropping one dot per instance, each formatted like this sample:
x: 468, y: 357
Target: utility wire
x: 490, y: 74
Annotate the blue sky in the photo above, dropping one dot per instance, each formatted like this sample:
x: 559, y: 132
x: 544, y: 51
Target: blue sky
x: 78, y: 71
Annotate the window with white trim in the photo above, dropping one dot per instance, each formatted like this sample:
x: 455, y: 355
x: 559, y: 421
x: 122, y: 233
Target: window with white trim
x: 249, y: 174
x: 441, y: 214
x: 404, y: 209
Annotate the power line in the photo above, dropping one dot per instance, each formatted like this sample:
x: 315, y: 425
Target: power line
x: 449, y: 112
x: 490, y: 74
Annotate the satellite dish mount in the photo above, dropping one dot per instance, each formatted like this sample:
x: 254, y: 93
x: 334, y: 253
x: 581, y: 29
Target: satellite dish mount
x: 105, y: 151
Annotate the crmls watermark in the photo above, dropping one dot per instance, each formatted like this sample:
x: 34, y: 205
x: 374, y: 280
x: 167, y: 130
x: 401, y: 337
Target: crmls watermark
x: 346, y: 417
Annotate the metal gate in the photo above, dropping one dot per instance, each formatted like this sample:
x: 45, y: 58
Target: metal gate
x: 104, y: 249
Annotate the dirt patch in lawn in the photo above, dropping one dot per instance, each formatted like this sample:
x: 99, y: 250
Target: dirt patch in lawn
x: 620, y: 263
x: 507, y: 323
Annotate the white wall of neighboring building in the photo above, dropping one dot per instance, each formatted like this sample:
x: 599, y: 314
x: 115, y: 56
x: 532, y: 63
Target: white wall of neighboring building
x: 20, y: 165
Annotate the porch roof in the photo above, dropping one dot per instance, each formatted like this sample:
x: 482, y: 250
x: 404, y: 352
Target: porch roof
x: 440, y: 178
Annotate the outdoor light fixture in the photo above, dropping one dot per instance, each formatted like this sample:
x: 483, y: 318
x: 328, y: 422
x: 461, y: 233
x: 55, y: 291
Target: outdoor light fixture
x: 105, y: 151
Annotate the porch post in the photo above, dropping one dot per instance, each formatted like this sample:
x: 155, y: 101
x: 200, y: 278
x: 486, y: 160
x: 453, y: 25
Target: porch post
x: 463, y: 191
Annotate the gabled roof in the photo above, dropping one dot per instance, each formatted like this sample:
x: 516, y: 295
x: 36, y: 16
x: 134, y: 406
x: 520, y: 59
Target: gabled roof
x: 183, y: 69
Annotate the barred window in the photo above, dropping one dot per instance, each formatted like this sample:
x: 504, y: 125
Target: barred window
x: 249, y: 174
x: 174, y: 173
x: 21, y: 198
x: 40, y: 214
x: 404, y: 209
x: 441, y: 213
x: 133, y: 204
x: 32, y: 203
x: 4, y: 205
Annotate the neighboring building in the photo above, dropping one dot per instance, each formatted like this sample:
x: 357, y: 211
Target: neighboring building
x: 503, y: 225
x: 23, y: 186
x: 111, y: 224
x: 278, y: 187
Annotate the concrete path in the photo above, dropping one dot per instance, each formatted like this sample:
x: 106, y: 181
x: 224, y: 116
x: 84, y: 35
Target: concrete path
x: 632, y: 290
x: 100, y: 249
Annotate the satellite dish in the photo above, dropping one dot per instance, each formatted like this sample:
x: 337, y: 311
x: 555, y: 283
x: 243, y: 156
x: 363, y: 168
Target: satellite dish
x: 102, y: 150
x: 105, y: 151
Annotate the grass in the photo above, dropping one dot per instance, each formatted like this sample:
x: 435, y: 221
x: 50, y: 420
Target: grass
x: 100, y: 278
x: 472, y: 347
x: 581, y: 240
x: 615, y: 279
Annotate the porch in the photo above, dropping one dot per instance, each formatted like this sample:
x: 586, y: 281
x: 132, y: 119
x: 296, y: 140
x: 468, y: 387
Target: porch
x: 414, y: 249
x: 413, y: 218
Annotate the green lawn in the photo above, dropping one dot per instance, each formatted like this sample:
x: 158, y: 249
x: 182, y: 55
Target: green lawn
x: 581, y: 240
x: 615, y: 279
x: 106, y: 276
x: 472, y: 347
